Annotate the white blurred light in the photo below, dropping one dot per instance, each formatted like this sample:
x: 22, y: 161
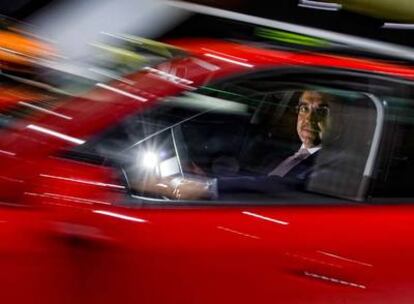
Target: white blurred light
x: 398, y: 26
x: 266, y: 218
x: 149, y: 160
x: 327, y: 6
x: 120, y: 216
x: 168, y: 76
x: 56, y: 134
x: 333, y: 280
x: 44, y: 110
x: 229, y: 60
x: 345, y: 259
x: 7, y: 153
x: 107, y: 87
x: 169, y: 167
x: 238, y: 232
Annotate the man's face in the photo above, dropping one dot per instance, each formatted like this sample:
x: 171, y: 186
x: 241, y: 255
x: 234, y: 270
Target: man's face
x: 313, y: 118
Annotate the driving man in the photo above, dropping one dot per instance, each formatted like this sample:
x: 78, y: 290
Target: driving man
x: 313, y: 126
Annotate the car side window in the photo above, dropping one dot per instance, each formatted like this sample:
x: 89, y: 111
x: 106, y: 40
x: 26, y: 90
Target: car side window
x: 393, y: 177
x: 231, y: 142
x: 270, y: 135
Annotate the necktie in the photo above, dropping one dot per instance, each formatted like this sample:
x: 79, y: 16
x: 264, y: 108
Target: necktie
x: 285, y: 166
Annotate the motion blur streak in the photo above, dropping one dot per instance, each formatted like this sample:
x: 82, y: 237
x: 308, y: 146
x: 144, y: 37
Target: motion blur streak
x: 373, y: 46
x: 7, y: 153
x: 63, y: 22
x: 238, y: 232
x: 345, y: 259
x: 44, y: 110
x: 120, y: 216
x: 168, y: 76
x: 398, y: 26
x: 265, y: 218
x: 83, y: 181
x: 313, y: 260
x: 320, y: 5
x: 110, y: 75
x: 56, y: 134
x: 206, y: 65
x: 109, y: 88
x: 66, y: 198
x: 333, y: 280
x: 229, y: 60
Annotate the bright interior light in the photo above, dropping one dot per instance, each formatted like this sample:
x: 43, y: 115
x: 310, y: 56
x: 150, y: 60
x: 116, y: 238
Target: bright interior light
x: 169, y: 167
x: 150, y: 160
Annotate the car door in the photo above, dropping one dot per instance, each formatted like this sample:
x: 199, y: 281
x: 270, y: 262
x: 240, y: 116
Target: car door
x: 323, y: 242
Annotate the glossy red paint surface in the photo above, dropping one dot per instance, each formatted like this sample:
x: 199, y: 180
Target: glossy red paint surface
x: 65, y: 239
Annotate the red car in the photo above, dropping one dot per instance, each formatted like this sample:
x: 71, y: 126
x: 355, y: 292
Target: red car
x: 76, y: 229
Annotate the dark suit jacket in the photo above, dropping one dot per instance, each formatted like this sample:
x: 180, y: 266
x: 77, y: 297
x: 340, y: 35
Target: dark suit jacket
x: 295, y: 179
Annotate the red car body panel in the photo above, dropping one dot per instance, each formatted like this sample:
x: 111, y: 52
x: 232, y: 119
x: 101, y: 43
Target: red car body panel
x: 71, y: 243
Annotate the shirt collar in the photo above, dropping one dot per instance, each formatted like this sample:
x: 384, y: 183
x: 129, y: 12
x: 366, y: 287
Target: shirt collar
x: 312, y: 150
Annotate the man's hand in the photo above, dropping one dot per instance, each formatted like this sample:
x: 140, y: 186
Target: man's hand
x: 154, y: 185
x: 174, y: 188
x: 188, y: 189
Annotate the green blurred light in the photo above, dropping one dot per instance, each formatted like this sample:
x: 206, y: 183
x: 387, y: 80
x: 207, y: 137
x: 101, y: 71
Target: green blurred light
x: 290, y: 37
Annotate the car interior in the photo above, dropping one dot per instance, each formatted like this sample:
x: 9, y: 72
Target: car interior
x: 240, y: 129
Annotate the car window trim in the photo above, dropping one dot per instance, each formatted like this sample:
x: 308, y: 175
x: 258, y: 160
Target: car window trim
x: 177, y: 155
x: 376, y: 139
